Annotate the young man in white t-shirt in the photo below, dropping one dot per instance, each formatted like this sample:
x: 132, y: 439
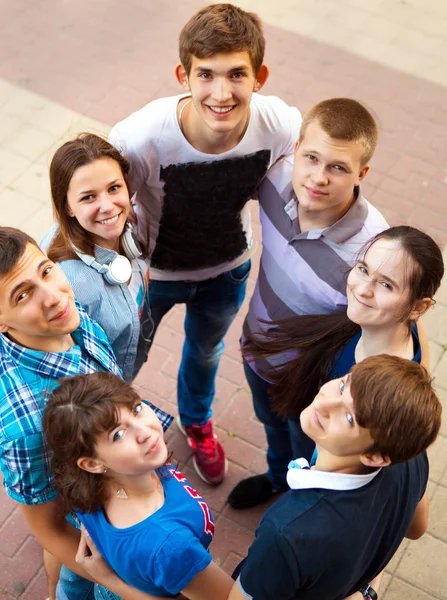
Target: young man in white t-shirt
x: 196, y: 159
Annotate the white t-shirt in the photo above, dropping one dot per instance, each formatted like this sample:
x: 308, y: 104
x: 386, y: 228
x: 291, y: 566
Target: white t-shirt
x: 196, y: 203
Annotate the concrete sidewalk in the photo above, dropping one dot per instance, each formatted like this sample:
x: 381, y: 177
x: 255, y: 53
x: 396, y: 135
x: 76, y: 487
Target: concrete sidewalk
x: 67, y: 67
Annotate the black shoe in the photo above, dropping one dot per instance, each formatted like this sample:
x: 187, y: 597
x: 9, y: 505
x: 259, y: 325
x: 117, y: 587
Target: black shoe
x: 251, y: 492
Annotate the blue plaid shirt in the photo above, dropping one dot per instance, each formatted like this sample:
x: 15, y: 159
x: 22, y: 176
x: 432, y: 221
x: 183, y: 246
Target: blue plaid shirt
x: 27, y: 377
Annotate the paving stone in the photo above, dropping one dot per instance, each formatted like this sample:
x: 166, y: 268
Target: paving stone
x: 440, y: 372
x: 394, y: 562
x: 438, y: 514
x: 229, y: 536
x: 28, y: 142
x: 423, y: 565
x: 398, y: 589
x: 437, y: 457
x: 310, y: 59
x: 7, y: 505
x: 39, y: 221
x: 37, y: 589
x: 435, y: 324
x: 16, y: 531
x: 17, y: 572
x: 11, y: 166
x: 10, y: 199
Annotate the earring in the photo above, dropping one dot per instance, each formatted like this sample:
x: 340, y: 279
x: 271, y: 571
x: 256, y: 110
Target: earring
x: 105, y: 471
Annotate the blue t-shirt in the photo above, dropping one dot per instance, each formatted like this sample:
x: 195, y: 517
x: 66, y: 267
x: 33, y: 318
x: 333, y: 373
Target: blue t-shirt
x: 321, y: 544
x: 163, y: 553
x: 346, y: 358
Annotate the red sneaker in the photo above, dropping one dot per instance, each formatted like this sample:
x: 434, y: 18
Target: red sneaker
x: 208, y: 455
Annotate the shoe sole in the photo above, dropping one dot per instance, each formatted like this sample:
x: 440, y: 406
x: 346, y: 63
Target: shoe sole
x: 194, y: 462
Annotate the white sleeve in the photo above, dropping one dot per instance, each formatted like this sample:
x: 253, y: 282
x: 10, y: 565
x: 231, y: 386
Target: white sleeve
x: 123, y: 140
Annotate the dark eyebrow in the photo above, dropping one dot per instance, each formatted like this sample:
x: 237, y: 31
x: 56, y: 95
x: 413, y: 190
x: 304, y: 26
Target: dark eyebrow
x: 85, y: 192
x: 240, y: 68
x: 234, y: 70
x: 381, y: 275
x: 17, y: 287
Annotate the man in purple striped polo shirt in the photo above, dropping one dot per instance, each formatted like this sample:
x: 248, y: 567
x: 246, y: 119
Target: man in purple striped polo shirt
x: 314, y: 221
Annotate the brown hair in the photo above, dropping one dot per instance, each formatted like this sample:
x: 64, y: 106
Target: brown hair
x: 316, y: 340
x: 222, y: 28
x: 80, y: 409
x: 394, y: 399
x: 84, y: 149
x: 13, y: 243
x: 344, y: 119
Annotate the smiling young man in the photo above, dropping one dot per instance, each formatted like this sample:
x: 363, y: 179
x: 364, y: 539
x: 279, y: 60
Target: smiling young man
x: 196, y: 159
x: 44, y: 336
x: 314, y: 222
x: 344, y: 518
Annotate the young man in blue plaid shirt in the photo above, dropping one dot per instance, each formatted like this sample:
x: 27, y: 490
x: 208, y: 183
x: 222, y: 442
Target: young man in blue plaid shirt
x: 44, y: 335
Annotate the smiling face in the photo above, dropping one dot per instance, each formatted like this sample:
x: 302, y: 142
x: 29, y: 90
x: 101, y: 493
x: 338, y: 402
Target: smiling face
x: 377, y: 286
x: 37, y: 307
x: 98, y: 199
x: 135, y: 447
x: 221, y: 87
x: 330, y: 421
x: 326, y: 171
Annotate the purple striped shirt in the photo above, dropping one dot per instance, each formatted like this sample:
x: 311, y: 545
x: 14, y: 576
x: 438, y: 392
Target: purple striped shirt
x: 303, y: 273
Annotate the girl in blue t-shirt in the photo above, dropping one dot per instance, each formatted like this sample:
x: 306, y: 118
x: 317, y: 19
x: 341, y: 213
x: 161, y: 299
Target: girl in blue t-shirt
x: 111, y: 469
x: 95, y: 246
x: 389, y: 289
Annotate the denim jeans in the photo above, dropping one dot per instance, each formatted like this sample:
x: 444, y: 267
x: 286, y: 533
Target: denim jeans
x: 286, y: 440
x: 102, y: 594
x: 211, y: 307
x: 72, y: 586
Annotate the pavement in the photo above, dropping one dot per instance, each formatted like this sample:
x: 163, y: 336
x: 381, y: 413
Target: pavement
x: 70, y: 66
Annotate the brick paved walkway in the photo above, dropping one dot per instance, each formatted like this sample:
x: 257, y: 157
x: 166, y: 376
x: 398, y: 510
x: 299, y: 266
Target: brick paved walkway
x: 71, y: 66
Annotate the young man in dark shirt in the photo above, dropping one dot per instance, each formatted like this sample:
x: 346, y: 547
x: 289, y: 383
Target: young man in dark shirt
x: 345, y: 517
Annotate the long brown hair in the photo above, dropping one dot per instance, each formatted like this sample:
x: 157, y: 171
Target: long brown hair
x: 83, y: 150
x: 80, y: 409
x: 316, y: 340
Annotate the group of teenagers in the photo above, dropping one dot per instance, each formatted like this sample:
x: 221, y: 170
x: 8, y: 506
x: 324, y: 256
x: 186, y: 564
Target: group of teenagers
x: 331, y: 345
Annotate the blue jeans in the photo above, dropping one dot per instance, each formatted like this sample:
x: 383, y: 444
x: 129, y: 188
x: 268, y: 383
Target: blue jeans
x: 286, y: 440
x: 72, y: 586
x: 102, y: 594
x: 211, y: 307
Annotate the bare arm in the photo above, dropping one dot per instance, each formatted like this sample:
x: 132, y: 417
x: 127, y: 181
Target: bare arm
x: 419, y: 524
x: 236, y: 593
x: 211, y: 583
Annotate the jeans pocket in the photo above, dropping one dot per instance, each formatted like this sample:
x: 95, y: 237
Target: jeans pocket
x: 240, y: 273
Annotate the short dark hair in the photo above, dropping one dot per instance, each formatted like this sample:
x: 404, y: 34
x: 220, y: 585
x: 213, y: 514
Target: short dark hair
x: 13, y: 243
x: 222, y: 28
x: 344, y: 119
x: 394, y: 399
x: 80, y: 409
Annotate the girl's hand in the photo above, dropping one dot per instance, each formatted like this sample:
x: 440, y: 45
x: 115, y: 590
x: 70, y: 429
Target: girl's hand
x: 91, y: 560
x: 99, y: 570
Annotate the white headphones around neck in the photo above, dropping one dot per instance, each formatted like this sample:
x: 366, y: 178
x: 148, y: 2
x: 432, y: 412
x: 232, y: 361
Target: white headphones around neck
x: 120, y: 269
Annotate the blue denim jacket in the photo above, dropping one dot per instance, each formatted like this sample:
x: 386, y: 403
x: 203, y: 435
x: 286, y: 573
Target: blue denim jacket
x: 112, y: 306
